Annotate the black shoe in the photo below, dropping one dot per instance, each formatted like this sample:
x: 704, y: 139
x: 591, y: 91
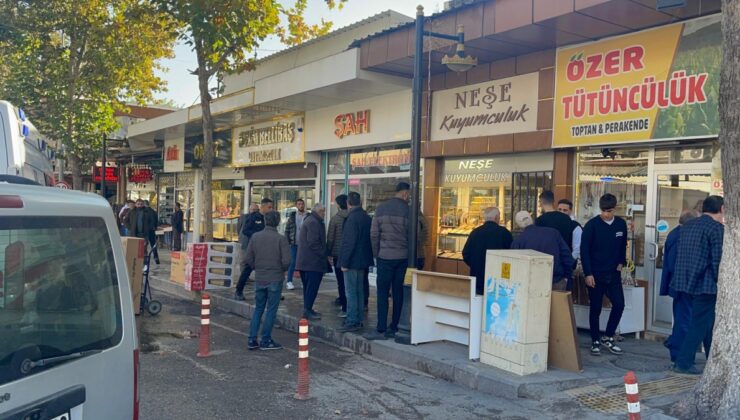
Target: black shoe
x: 375, y: 335
x: 693, y: 371
x: 608, y: 342
x: 239, y: 296
x: 270, y: 345
x: 390, y: 334
x: 311, y: 317
x: 596, y: 348
x: 349, y: 328
x: 253, y: 345
x: 156, y: 260
x: 314, y: 313
x: 337, y: 302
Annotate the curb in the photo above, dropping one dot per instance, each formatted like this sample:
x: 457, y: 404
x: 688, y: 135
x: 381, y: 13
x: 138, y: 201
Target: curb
x: 489, y: 380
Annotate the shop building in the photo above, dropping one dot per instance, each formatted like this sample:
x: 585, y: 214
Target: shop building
x: 553, y: 61
x: 364, y: 146
x: 260, y: 126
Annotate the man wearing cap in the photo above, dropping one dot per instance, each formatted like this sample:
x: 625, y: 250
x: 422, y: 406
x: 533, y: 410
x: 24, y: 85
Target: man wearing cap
x: 548, y: 241
x: 389, y: 240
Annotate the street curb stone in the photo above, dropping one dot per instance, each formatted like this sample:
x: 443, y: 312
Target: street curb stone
x: 488, y: 380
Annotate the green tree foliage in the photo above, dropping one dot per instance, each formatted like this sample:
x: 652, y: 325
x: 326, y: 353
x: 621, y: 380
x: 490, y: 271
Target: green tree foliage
x: 73, y: 64
x: 224, y: 34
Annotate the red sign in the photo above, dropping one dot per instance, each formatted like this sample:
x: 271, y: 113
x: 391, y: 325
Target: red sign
x: 140, y: 175
x: 111, y: 174
x: 172, y: 153
x: 63, y: 185
x: 349, y: 124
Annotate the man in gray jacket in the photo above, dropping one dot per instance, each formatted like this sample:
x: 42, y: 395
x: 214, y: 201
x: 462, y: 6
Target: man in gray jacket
x: 268, y: 253
x: 389, y: 239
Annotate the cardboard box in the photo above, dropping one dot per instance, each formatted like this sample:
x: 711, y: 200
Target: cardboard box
x: 211, y: 265
x: 177, y: 270
x: 134, y: 250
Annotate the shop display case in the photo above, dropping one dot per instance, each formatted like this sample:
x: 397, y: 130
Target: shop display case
x: 226, y: 210
x: 461, y: 210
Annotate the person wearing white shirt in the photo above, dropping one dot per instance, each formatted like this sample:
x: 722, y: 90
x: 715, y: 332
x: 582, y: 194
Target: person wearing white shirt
x: 565, y: 206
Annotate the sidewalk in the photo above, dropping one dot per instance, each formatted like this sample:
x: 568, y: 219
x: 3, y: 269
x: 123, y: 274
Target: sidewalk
x: 448, y: 361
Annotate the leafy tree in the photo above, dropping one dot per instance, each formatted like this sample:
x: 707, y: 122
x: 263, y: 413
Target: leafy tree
x: 717, y: 394
x: 78, y: 62
x: 224, y: 34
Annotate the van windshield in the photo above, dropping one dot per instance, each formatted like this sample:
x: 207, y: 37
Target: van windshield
x: 58, y: 291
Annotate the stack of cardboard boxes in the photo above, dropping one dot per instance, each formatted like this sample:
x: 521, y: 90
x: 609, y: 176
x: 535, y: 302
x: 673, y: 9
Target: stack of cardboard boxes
x: 134, y: 250
x: 210, y: 265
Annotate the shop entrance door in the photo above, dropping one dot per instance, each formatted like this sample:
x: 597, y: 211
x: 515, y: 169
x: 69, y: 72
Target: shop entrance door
x: 673, y: 190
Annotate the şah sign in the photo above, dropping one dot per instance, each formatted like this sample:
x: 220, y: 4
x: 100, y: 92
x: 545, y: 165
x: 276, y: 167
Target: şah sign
x: 349, y: 124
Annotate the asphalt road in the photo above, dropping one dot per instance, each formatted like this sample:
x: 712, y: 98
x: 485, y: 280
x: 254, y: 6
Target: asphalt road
x: 239, y: 384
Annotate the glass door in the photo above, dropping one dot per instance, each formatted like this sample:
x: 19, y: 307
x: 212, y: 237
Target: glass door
x: 677, y: 189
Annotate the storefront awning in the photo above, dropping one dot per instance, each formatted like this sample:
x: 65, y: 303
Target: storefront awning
x: 500, y: 29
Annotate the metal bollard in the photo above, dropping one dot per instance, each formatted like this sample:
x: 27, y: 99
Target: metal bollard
x: 303, y: 377
x: 633, y: 396
x: 204, y: 345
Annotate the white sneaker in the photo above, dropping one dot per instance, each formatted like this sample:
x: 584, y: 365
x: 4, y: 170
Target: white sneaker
x: 289, y: 285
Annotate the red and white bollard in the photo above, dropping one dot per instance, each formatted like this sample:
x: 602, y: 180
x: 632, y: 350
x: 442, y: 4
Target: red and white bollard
x: 303, y: 379
x: 204, y: 345
x: 633, y: 396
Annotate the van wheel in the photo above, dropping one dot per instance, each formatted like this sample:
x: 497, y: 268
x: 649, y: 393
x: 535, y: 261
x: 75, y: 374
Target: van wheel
x: 154, y: 307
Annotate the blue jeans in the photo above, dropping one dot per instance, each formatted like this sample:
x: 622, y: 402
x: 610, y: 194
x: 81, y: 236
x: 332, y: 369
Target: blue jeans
x: 681, y: 319
x: 353, y: 282
x: 391, y: 274
x: 700, y: 329
x: 265, y: 295
x: 609, y: 284
x: 291, y: 267
x: 311, y: 282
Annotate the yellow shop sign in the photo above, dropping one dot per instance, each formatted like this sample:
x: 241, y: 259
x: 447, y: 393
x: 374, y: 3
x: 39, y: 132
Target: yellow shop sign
x: 657, y: 84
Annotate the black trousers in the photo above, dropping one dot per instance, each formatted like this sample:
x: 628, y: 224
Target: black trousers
x: 609, y: 284
x: 340, y: 284
x: 391, y: 274
x: 311, y: 282
x: 153, y: 241
x: 700, y: 329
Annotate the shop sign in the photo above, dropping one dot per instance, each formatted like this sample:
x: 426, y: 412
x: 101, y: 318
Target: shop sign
x: 487, y: 171
x: 268, y: 143
x: 349, y: 124
x: 501, y: 106
x: 657, y: 84
x: 111, y: 172
x: 380, y: 161
x: 195, y: 148
x: 174, y: 155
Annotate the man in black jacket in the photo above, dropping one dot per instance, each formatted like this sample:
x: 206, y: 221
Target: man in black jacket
x: 253, y: 223
x: 177, y: 227
x: 554, y: 219
x: 603, y: 254
x: 153, y: 223
x: 355, y: 257
x: 487, y: 236
x: 312, y: 260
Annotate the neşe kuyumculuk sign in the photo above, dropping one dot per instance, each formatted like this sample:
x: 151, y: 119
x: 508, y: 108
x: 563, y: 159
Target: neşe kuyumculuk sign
x: 268, y: 143
x: 501, y: 106
x: 657, y: 84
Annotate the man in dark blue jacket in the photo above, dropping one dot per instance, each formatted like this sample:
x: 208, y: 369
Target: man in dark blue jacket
x: 696, y: 274
x: 355, y: 257
x: 253, y: 223
x: 681, y: 301
x: 603, y: 254
x: 546, y: 240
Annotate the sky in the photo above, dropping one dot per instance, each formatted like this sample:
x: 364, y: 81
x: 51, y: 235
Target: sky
x: 182, y: 86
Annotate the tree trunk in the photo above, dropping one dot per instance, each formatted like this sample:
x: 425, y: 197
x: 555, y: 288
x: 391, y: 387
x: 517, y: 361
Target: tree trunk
x: 75, y: 167
x: 717, y: 394
x: 207, y: 162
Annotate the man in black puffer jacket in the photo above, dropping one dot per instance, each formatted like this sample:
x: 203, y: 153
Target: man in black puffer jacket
x: 389, y: 238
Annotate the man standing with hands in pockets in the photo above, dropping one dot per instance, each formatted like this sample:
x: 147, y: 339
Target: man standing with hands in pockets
x: 355, y: 257
x: 603, y: 254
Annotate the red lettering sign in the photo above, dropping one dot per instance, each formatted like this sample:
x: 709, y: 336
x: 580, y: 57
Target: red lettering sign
x: 172, y: 153
x: 610, y: 63
x: 111, y: 174
x: 349, y: 124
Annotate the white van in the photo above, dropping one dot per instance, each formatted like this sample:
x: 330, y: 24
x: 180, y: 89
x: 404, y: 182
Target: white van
x: 68, y: 344
x: 23, y: 151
